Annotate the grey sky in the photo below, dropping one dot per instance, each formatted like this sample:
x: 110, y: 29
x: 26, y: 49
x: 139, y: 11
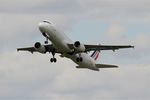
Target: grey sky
x: 25, y: 76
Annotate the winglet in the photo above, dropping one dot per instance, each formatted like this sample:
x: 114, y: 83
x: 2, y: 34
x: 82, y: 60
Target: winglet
x: 17, y: 50
x: 132, y: 47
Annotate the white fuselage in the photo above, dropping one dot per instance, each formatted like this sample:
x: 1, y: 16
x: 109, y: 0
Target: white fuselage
x: 61, y: 41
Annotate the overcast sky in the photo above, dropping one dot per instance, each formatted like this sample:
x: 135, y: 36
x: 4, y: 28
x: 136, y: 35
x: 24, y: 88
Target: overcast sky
x: 24, y: 76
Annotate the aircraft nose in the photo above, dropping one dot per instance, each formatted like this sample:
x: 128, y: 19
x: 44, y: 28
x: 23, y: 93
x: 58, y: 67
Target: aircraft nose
x: 42, y: 26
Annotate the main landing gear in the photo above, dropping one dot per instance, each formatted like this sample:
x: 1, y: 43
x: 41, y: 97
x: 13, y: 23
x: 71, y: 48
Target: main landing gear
x: 79, y: 59
x: 53, y: 59
x: 53, y: 51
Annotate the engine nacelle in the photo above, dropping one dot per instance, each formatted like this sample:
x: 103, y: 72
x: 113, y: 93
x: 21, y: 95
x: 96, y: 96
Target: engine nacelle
x: 79, y: 47
x: 40, y: 48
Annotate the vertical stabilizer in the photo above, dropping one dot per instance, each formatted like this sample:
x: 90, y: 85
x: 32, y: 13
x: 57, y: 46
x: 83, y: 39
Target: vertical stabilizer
x: 95, y: 54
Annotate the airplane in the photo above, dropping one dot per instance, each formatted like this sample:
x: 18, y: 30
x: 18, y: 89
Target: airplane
x: 76, y: 51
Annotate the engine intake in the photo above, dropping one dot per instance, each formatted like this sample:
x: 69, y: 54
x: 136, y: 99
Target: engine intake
x: 40, y: 48
x: 37, y: 45
x: 77, y: 44
x: 79, y: 47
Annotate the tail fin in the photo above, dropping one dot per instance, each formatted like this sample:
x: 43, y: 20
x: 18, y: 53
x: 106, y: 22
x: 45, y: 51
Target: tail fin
x: 95, y: 54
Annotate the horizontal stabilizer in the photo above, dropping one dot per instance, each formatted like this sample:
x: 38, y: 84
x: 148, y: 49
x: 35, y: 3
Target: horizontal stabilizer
x: 92, y: 68
x: 106, y: 66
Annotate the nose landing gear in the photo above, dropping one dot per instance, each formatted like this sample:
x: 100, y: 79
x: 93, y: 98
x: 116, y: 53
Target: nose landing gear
x: 45, y: 35
x: 46, y: 42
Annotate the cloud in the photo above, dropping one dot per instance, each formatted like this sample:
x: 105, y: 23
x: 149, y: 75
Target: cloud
x: 52, y: 81
x: 16, y: 27
x: 115, y: 31
x: 20, y: 76
x: 45, y: 6
x: 142, y: 41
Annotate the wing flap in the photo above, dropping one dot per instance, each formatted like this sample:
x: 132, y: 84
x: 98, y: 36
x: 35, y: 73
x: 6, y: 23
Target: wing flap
x: 106, y: 66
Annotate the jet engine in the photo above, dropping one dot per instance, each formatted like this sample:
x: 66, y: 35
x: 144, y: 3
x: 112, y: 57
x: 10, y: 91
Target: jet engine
x: 79, y: 47
x: 40, y: 48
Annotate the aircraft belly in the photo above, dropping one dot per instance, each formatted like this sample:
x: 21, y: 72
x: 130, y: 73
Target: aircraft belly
x: 58, y: 41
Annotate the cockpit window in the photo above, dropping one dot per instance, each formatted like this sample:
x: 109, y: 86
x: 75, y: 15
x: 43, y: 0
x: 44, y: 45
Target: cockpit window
x: 46, y: 22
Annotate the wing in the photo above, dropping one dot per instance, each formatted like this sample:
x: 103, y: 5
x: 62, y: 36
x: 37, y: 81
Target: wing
x: 103, y: 47
x: 106, y: 66
x: 49, y: 48
x: 30, y: 49
x: 106, y: 47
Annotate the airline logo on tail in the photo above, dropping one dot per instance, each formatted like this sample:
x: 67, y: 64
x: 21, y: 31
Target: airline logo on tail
x: 95, y: 54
